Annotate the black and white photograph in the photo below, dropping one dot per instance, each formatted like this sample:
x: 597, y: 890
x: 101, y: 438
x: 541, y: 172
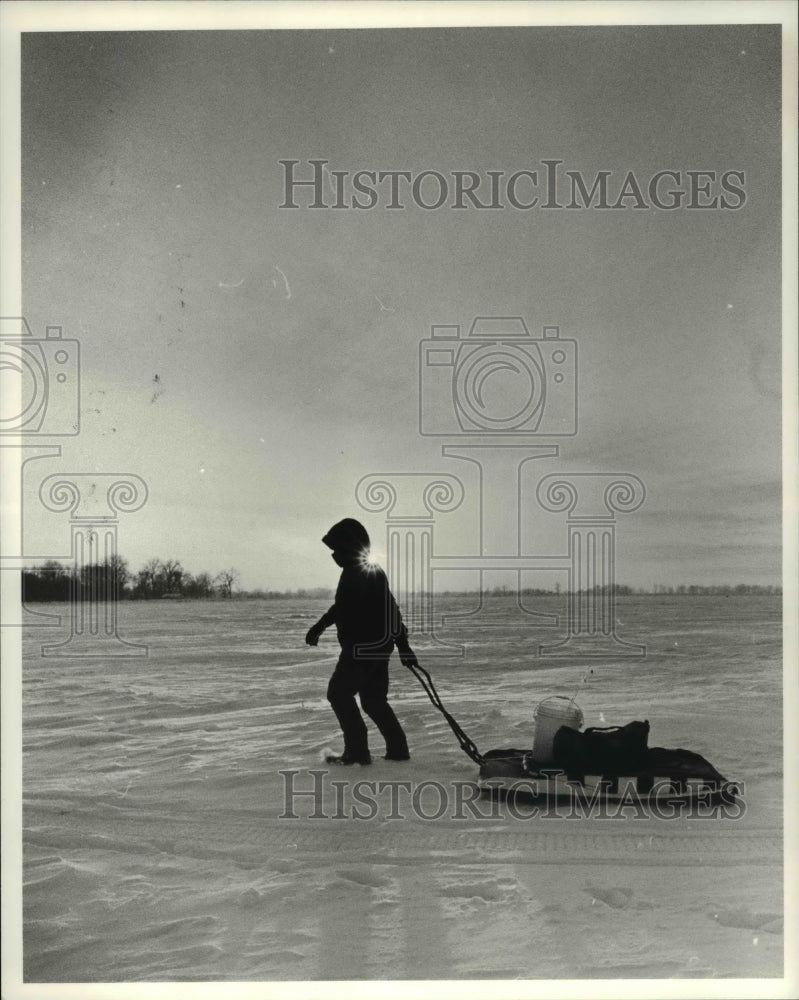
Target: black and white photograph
x: 399, y: 492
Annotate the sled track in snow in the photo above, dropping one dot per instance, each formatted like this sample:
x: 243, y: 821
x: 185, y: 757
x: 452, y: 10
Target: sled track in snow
x: 245, y: 841
x: 533, y: 847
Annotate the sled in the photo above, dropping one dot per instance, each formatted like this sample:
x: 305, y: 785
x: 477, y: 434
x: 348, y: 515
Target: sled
x: 644, y: 774
x: 662, y: 775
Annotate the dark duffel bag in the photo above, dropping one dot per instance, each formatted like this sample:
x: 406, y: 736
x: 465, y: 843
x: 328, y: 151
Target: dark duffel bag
x: 613, y: 750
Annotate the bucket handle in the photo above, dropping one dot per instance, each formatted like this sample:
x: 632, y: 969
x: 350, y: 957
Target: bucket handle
x: 556, y: 697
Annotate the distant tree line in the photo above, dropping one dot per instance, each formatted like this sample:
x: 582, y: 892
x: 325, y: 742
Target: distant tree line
x: 167, y: 579
x: 623, y: 590
x: 505, y: 591
x: 157, y: 579
x: 719, y: 590
x: 312, y: 593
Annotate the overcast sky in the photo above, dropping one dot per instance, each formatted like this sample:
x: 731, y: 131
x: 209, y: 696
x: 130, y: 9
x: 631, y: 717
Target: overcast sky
x: 251, y: 364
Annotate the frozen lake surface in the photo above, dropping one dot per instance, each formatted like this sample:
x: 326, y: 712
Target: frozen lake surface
x: 154, y: 847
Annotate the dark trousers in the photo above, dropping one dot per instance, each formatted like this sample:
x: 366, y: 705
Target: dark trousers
x: 369, y: 680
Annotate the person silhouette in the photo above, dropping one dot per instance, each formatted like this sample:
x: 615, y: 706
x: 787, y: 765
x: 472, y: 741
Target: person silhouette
x: 368, y: 625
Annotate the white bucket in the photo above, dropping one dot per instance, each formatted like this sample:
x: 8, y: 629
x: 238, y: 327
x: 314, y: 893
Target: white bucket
x: 550, y: 715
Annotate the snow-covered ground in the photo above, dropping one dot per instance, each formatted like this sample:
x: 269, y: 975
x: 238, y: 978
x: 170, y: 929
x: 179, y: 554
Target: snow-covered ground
x: 159, y: 843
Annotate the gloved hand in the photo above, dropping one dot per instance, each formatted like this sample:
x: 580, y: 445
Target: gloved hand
x: 312, y: 636
x: 408, y: 657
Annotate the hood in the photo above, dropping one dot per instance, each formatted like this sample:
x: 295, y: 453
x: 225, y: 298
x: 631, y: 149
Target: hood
x: 348, y: 535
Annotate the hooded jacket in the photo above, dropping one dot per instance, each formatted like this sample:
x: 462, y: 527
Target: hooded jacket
x: 365, y: 613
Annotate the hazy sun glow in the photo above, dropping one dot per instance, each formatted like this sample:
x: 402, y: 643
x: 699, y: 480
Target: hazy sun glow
x: 371, y: 560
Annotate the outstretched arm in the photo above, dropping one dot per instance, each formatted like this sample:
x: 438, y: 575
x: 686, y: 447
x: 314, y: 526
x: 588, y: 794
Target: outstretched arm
x: 327, y: 619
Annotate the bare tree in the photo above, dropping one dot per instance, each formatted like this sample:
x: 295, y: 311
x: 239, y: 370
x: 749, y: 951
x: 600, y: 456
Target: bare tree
x: 226, y: 579
x: 171, y: 574
x: 147, y: 576
x: 197, y: 586
x: 53, y: 570
x: 119, y: 572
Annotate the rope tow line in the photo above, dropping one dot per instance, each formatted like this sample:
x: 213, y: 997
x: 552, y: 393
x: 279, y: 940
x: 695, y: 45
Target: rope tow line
x: 467, y: 745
